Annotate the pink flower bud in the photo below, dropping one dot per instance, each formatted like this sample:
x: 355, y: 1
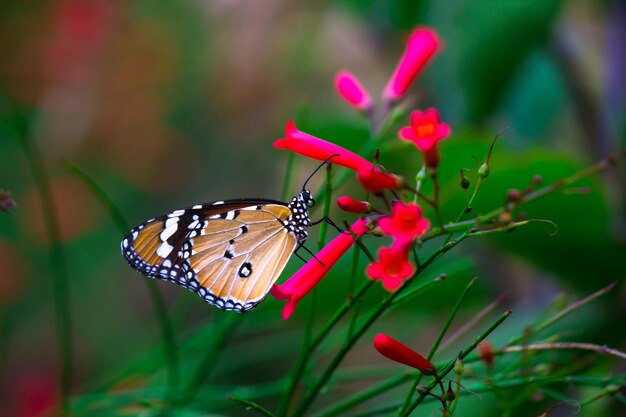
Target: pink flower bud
x: 351, y: 205
x: 421, y: 47
x: 351, y: 90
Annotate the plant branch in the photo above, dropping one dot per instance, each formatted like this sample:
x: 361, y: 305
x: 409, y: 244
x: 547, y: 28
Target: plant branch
x: 158, y: 302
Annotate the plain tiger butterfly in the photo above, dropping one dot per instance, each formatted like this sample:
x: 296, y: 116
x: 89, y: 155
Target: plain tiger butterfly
x: 228, y: 252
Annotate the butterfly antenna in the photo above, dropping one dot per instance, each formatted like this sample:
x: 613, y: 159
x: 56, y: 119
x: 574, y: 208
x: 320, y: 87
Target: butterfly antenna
x: 326, y: 161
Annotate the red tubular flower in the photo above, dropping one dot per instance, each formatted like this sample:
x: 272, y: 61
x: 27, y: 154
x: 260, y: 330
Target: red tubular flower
x: 392, y: 268
x: 351, y: 90
x: 375, y: 181
x: 398, y: 352
x: 304, y: 144
x: 351, y: 205
x: 316, y: 148
x: 422, y: 45
x: 307, y: 277
x: 425, y: 132
x: 405, y: 222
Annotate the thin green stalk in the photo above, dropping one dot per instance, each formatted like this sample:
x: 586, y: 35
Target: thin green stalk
x: 447, y: 368
x: 558, y: 316
x: 326, y: 208
x: 369, y: 393
x: 61, y: 286
x: 291, y: 162
x: 330, y: 368
x: 442, y: 333
x: 355, y: 262
x: 223, y: 333
x: 158, y: 302
x: 250, y: 405
x: 555, y: 186
x: 5, y: 336
x: 303, y: 358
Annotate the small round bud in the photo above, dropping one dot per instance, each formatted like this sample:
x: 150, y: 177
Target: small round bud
x: 422, y: 389
x: 469, y: 209
x: 537, y: 179
x: 486, y: 354
x: 513, y: 195
x: 421, y: 176
x: 505, y: 217
x: 483, y: 171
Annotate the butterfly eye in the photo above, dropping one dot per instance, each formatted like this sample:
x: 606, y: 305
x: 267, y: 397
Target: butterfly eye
x: 310, y: 202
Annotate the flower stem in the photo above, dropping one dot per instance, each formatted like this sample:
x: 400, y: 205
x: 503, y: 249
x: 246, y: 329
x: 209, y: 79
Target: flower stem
x: 158, y: 302
x: 442, y: 333
x: 330, y: 368
x: 558, y: 316
x: 447, y: 368
x: 250, y: 405
x: 61, y: 289
x: 602, y: 350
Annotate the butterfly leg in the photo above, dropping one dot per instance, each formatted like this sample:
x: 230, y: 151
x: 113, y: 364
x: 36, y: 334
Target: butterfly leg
x: 330, y: 222
x: 301, y: 246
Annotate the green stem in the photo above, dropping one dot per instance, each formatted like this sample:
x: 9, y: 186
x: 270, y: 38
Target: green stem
x: 291, y: 162
x: 61, y: 289
x: 330, y: 368
x: 447, y: 368
x: 558, y: 316
x: 308, y: 349
x: 442, y: 333
x: 158, y: 302
x: 252, y: 406
x: 224, y: 331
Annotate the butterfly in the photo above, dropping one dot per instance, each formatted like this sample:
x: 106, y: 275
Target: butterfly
x: 229, y: 252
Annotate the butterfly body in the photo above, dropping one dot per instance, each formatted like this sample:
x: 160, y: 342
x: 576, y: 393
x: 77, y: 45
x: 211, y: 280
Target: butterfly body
x: 229, y: 252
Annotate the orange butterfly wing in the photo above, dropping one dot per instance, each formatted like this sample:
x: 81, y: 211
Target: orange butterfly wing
x: 230, y: 253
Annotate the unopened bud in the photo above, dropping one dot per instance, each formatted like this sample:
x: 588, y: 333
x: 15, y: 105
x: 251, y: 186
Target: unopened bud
x: 6, y: 202
x: 537, y: 179
x: 459, y: 368
x: 483, y: 171
x: 450, y: 395
x: 421, y: 176
x: 353, y: 206
x: 505, y: 217
x: 513, y: 195
x: 485, y: 353
x: 422, y: 389
x: 464, y: 183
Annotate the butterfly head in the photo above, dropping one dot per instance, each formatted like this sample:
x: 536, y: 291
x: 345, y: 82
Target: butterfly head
x: 306, y: 197
x: 299, y: 220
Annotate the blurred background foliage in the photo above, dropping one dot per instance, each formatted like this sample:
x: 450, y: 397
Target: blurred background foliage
x: 171, y: 103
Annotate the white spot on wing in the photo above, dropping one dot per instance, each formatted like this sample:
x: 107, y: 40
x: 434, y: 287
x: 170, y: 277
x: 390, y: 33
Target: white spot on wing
x: 176, y: 213
x: 167, y: 263
x: 167, y: 233
x: 171, y: 221
x: 197, y: 206
x: 230, y: 215
x: 164, y: 250
x: 217, y: 203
